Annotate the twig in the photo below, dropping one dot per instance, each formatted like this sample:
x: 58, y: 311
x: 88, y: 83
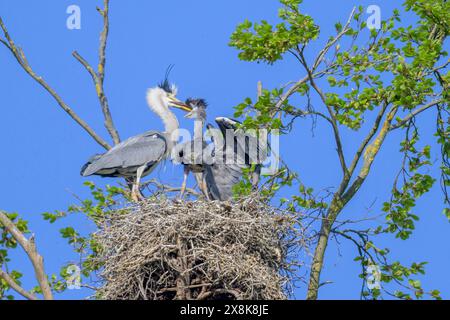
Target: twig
x: 167, y: 188
x: 325, y: 50
x: 331, y: 113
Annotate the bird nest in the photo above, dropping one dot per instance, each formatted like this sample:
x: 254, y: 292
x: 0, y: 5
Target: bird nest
x: 166, y: 249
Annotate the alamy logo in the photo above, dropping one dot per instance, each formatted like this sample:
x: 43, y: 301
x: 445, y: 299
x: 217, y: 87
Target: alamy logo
x: 74, y: 20
x: 373, y: 277
x: 374, y: 20
x: 74, y: 277
x: 229, y: 147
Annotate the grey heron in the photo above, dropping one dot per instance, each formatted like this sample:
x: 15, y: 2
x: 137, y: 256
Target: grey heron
x: 191, y: 153
x: 230, y: 159
x: 138, y: 156
x: 231, y: 154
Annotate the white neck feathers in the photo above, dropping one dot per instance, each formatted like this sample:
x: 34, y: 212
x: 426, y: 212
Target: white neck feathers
x: 158, y: 103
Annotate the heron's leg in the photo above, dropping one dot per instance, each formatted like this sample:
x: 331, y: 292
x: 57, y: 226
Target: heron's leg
x: 136, y: 192
x: 201, y: 184
x: 205, y: 188
x: 183, y: 185
x: 198, y: 178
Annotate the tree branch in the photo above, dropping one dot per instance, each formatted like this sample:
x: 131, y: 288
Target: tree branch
x: 331, y: 113
x: 414, y: 113
x: 362, y: 147
x: 369, y: 156
x: 290, y: 92
x: 331, y: 43
x: 21, y: 59
x: 15, y: 286
x: 256, y: 174
x: 338, y: 203
x: 99, y: 75
x: 29, y: 247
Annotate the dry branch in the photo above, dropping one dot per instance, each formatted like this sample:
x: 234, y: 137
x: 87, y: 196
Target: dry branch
x: 99, y: 76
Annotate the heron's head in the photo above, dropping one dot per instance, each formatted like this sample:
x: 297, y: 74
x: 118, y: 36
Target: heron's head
x: 164, y: 96
x: 227, y: 123
x: 198, y: 108
x: 168, y: 93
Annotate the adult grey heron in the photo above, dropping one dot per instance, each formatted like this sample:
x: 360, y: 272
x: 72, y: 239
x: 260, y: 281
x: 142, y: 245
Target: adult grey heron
x: 138, y: 156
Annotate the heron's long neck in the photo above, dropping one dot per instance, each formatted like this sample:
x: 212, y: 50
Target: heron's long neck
x: 198, y: 128
x: 171, y: 125
x: 156, y: 101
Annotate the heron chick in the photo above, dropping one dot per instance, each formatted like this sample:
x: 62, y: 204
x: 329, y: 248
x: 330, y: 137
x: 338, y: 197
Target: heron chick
x: 192, y: 154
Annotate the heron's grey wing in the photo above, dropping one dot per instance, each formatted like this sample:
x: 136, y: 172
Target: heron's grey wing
x: 220, y: 180
x: 89, y: 162
x: 247, y: 147
x: 124, y: 159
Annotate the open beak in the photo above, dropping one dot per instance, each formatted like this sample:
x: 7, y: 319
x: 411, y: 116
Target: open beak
x: 174, y: 102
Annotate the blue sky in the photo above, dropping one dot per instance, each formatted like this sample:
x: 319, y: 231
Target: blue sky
x: 43, y: 149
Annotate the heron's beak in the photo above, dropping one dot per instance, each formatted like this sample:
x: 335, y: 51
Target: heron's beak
x: 174, y: 102
x: 190, y: 114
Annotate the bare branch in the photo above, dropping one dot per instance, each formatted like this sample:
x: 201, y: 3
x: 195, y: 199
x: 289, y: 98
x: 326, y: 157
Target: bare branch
x: 5, y: 43
x: 362, y: 147
x: 256, y: 174
x: 20, y: 57
x: 29, y: 247
x: 369, y: 156
x: 103, y: 40
x: 99, y: 75
x: 15, y: 286
x: 331, y: 113
x: 414, y: 113
x: 290, y: 92
x: 86, y: 65
x: 331, y: 43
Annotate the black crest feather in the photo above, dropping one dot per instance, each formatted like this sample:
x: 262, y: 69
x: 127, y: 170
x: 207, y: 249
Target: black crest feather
x: 165, y: 84
x: 197, y: 102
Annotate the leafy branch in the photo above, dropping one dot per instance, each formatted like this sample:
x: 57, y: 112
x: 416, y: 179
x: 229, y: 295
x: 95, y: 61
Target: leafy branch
x: 29, y: 246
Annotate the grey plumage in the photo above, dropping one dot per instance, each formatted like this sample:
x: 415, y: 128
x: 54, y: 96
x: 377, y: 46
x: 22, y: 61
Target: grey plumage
x: 139, y: 155
x: 227, y: 169
x: 220, y: 180
x: 123, y: 160
x: 218, y: 167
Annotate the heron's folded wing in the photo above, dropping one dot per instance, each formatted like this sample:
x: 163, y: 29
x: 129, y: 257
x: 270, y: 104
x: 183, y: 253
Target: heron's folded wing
x: 144, y: 149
